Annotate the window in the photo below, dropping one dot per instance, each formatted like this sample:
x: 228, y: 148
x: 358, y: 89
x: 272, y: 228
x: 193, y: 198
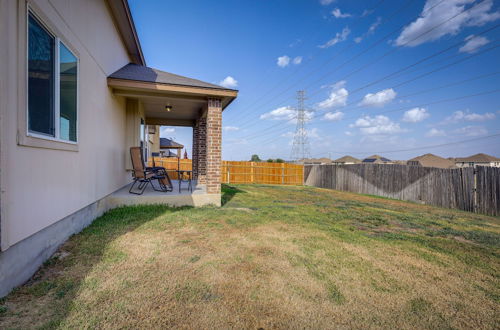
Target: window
x: 67, y: 93
x: 52, y: 85
x: 40, y: 79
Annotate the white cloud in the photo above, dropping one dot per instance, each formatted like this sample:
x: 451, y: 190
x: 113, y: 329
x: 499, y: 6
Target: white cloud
x: 431, y: 19
x: 471, y: 131
x: 230, y: 128
x: 339, y: 37
x: 333, y: 116
x: 337, y: 98
x: 326, y: 2
x: 415, y: 115
x: 285, y: 113
x: 283, y: 61
x: 366, y: 12
x: 338, y: 14
x: 461, y: 116
x: 434, y: 132
x: 295, y: 43
x: 229, y: 82
x: 297, y: 60
x: 378, y: 125
x: 370, y: 31
x: 379, y: 99
x: 166, y: 130
x: 473, y: 43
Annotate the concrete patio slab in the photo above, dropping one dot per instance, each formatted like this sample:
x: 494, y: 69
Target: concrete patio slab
x: 198, y: 197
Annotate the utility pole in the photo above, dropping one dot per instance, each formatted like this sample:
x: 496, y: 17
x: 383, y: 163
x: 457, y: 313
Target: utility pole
x: 300, y: 147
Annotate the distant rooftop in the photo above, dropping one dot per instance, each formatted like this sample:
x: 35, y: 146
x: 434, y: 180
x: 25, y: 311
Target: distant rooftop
x: 347, y: 159
x: 478, y: 158
x: 431, y: 160
x: 374, y: 158
x: 169, y: 144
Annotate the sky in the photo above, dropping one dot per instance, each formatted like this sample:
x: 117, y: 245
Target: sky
x: 399, y: 78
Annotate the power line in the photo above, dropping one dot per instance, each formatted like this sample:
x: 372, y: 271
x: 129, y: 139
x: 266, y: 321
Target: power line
x: 407, y: 108
x: 399, y: 46
x: 413, y: 149
x: 415, y: 78
x: 394, y: 14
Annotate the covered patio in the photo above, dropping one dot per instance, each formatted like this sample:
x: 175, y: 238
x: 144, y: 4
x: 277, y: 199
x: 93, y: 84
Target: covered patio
x: 155, y: 98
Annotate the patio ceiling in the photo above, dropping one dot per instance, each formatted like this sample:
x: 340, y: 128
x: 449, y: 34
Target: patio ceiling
x: 157, y: 89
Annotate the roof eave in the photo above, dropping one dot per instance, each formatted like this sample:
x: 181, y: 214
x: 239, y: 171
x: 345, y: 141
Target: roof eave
x: 125, y: 25
x: 227, y: 95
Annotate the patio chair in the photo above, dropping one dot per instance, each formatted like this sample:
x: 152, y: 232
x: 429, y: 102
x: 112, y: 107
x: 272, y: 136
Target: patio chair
x: 143, y: 175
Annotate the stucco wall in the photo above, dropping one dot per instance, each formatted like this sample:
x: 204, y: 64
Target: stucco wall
x: 42, y: 186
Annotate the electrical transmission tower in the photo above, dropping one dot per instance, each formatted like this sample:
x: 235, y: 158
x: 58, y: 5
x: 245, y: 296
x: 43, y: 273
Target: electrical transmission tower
x: 300, y: 147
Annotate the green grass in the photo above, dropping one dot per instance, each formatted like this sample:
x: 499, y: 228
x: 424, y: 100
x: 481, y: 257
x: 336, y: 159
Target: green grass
x: 271, y: 257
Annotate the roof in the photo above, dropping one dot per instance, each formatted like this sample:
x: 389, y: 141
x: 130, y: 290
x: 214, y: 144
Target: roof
x: 126, y: 27
x: 169, y: 144
x: 143, y: 73
x: 431, y: 160
x: 316, y: 160
x: 347, y: 159
x: 374, y: 158
x: 478, y: 158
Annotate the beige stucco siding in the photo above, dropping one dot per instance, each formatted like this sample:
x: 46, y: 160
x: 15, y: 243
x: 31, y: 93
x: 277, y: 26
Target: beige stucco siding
x: 41, y: 186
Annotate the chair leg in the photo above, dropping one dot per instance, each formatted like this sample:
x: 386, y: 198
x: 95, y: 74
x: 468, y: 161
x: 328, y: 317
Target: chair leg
x: 163, y: 188
x: 141, y: 187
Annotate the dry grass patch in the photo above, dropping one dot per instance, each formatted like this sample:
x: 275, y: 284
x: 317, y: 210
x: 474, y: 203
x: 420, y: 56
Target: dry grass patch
x: 272, y: 257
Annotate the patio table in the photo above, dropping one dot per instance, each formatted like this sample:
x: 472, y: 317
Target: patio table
x: 189, y: 174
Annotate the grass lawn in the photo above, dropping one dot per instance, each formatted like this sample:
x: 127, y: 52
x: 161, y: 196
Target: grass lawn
x: 271, y: 257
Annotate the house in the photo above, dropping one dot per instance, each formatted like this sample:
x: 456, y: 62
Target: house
x: 316, y: 161
x: 346, y: 160
x: 75, y: 95
x: 376, y: 159
x: 431, y: 160
x: 167, y: 144
x: 478, y: 160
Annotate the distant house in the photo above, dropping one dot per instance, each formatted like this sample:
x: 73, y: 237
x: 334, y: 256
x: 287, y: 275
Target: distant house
x: 166, y: 145
x: 346, y: 160
x: 478, y: 160
x: 376, y: 159
x: 431, y: 160
x: 316, y: 161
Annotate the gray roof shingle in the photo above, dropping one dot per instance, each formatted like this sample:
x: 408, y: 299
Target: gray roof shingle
x: 167, y: 143
x: 137, y: 72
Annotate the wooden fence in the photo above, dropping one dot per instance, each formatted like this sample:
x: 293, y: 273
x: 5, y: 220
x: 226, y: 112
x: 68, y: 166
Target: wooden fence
x: 488, y: 190
x: 244, y: 172
x: 260, y: 172
x: 468, y: 189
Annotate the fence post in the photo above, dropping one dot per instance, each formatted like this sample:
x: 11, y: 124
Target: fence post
x: 282, y: 173
x: 251, y: 172
x: 474, y: 191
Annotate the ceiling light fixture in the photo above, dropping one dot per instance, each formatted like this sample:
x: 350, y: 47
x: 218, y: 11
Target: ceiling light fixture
x: 168, y: 108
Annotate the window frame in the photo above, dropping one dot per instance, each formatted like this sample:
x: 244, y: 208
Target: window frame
x: 57, y: 80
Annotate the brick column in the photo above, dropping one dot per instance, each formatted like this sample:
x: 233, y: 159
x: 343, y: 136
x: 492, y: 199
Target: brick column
x: 194, y: 152
x: 213, y: 146
x: 200, y: 150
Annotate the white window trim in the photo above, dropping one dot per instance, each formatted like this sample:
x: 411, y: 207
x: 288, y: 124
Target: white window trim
x: 57, y: 87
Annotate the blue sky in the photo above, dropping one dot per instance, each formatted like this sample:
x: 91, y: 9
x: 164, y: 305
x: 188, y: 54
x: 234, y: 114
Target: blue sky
x: 350, y: 58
